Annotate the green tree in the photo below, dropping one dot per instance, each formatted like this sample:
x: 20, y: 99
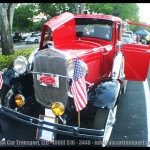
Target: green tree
x: 23, y: 17
x: 52, y: 9
x: 71, y: 7
x: 80, y: 7
x: 125, y: 11
x: 37, y: 26
x: 104, y: 8
x: 6, y: 22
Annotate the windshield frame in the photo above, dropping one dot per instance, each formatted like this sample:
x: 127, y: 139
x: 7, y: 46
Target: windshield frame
x: 85, y: 27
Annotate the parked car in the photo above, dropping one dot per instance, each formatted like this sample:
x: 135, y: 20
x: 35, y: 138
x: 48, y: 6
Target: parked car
x: 43, y: 91
x: 129, y: 32
x: 16, y: 37
x: 132, y: 36
x: 126, y: 38
x: 25, y: 35
x: 34, y: 38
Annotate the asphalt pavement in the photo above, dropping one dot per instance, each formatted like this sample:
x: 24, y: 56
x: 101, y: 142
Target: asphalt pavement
x: 131, y: 128
x: 21, y: 45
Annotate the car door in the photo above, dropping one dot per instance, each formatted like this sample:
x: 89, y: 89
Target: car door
x: 136, y: 61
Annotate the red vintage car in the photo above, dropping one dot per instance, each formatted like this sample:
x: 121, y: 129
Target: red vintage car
x: 44, y: 91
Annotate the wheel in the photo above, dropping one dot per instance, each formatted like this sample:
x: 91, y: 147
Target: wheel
x: 36, y: 41
x: 105, y: 119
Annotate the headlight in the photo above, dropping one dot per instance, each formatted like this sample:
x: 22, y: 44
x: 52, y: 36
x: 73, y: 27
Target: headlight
x: 58, y: 108
x: 71, y: 69
x: 20, y: 64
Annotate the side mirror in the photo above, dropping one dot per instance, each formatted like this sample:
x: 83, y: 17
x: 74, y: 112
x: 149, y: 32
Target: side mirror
x: 119, y: 44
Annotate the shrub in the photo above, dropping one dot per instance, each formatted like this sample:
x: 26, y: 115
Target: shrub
x: 6, y: 60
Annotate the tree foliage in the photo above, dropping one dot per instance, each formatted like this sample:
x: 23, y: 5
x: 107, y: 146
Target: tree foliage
x: 52, y: 9
x: 71, y: 7
x: 23, y: 17
x: 37, y: 26
x: 25, y: 12
x: 104, y: 8
x: 125, y: 11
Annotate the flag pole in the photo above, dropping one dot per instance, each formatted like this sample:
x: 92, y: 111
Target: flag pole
x: 79, y: 119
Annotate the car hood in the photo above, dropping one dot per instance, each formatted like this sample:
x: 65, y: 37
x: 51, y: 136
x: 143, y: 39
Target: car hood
x: 80, y: 48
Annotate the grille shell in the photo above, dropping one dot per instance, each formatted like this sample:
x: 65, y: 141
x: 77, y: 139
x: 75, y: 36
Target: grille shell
x: 50, y: 61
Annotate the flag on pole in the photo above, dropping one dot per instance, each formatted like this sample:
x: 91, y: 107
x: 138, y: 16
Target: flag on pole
x: 78, y: 88
x: 1, y: 80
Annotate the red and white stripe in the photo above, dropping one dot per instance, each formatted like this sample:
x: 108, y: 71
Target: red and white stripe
x: 1, y: 81
x: 78, y: 91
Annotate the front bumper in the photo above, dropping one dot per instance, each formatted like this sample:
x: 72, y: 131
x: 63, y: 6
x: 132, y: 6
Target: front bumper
x: 58, y: 128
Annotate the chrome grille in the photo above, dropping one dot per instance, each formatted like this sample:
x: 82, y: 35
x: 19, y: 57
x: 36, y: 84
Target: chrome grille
x: 49, y: 61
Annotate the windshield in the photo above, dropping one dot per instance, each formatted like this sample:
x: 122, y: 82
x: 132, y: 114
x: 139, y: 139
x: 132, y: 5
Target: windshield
x: 95, y: 28
x: 35, y: 35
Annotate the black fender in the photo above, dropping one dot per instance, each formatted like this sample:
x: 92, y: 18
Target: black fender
x: 8, y: 75
x: 106, y: 94
x: 22, y: 84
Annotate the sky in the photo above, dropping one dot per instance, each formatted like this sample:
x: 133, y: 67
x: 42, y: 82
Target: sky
x: 144, y: 12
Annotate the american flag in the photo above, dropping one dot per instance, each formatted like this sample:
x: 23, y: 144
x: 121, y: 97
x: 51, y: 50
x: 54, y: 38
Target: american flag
x: 1, y: 80
x: 78, y: 88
